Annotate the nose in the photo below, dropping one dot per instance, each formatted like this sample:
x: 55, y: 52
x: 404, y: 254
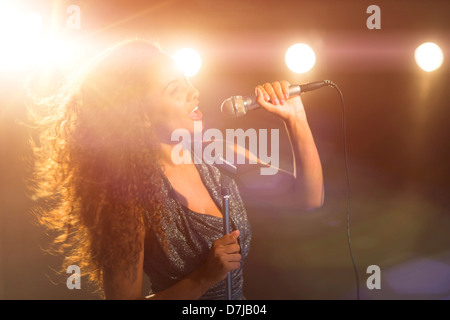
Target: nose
x: 194, y: 94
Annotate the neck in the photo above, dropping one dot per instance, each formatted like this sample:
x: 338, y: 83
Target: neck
x: 166, y: 157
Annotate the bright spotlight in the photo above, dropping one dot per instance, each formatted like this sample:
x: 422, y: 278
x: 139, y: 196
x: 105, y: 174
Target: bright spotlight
x: 20, y: 33
x: 24, y: 44
x: 429, y: 56
x: 55, y: 50
x: 300, y: 58
x: 188, y: 60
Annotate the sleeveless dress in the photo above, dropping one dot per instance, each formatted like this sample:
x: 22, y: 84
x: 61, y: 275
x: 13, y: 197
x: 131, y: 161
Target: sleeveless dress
x: 190, y: 236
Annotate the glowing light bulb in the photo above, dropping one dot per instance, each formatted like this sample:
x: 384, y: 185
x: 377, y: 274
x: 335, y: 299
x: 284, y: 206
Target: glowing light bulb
x: 300, y: 58
x: 188, y: 60
x: 429, y: 56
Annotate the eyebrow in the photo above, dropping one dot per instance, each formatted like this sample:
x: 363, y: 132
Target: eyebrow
x: 170, y: 82
x: 181, y: 75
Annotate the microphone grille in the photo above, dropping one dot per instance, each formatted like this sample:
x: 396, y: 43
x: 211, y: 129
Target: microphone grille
x: 234, y: 106
x: 227, y: 107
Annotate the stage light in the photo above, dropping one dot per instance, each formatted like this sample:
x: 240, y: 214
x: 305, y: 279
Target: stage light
x: 429, y: 56
x: 24, y: 44
x: 188, y: 60
x: 20, y: 34
x: 56, y: 51
x: 300, y: 58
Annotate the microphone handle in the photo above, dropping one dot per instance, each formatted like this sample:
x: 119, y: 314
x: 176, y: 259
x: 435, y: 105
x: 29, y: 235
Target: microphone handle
x: 314, y: 85
x: 293, y: 90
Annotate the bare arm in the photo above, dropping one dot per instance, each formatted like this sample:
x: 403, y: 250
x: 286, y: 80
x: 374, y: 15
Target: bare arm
x: 302, y: 188
x: 307, y: 167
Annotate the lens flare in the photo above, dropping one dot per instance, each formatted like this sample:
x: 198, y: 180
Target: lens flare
x: 300, y: 58
x: 429, y: 56
x: 20, y: 34
x: 188, y: 60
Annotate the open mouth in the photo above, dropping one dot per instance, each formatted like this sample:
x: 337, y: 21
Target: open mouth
x: 195, y: 114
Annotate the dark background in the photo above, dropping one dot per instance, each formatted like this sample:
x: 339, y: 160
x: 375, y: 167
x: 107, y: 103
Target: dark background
x: 397, y: 134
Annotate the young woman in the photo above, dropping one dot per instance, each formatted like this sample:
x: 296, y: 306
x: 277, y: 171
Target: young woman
x: 121, y: 206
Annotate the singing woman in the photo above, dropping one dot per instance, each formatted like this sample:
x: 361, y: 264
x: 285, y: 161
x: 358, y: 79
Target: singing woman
x: 121, y: 207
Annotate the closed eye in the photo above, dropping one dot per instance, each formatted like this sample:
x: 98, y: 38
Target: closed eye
x: 174, y: 89
x: 174, y: 86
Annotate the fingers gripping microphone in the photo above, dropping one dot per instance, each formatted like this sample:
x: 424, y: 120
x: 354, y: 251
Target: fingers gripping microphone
x: 237, y: 106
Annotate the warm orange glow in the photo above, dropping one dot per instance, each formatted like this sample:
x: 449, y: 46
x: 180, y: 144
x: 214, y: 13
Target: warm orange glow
x: 429, y: 56
x: 20, y: 34
x: 188, y: 60
x: 300, y: 58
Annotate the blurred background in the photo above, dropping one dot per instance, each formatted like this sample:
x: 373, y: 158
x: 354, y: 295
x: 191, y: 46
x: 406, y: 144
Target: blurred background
x: 397, y: 133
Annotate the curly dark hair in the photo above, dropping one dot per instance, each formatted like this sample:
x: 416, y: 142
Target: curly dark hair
x: 96, y: 173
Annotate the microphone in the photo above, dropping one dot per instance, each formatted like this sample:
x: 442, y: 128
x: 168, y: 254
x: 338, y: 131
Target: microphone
x: 237, y: 106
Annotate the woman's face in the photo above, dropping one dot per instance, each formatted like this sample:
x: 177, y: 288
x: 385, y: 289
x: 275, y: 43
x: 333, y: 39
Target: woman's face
x: 174, y: 99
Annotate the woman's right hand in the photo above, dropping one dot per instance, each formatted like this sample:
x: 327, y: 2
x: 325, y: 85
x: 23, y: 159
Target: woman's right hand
x: 223, y: 257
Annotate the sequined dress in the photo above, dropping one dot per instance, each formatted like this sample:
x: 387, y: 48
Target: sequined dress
x: 190, y: 236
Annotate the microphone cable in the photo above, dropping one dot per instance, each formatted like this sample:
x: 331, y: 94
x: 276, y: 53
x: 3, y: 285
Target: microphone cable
x: 230, y: 108
x: 344, y: 135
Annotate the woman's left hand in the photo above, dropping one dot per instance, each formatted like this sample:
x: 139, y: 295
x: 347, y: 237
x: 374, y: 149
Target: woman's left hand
x: 274, y: 97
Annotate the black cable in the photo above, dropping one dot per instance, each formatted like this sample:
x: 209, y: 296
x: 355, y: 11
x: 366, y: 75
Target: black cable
x: 344, y: 134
